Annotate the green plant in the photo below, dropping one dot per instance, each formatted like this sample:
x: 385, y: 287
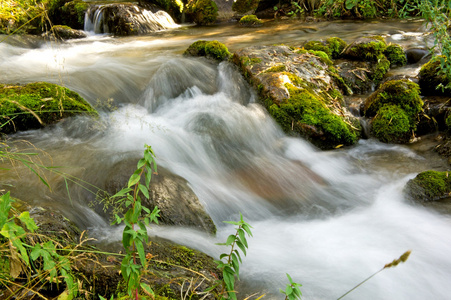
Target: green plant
x: 135, y: 232
x: 292, y: 290
x: 229, y: 262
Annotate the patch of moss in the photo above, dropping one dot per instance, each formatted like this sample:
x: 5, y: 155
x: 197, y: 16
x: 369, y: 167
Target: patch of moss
x: 245, y: 6
x: 318, y: 46
x: 391, y: 125
x: 396, y: 55
x: 278, y: 68
x: 304, y: 113
x: 211, y: 49
x: 431, y: 78
x: 324, y: 57
x: 336, y: 46
x: 250, y: 21
x: 37, y: 104
x: 203, y: 12
x: 380, y: 69
x: 368, y: 51
x: 434, y: 184
x: 403, y: 93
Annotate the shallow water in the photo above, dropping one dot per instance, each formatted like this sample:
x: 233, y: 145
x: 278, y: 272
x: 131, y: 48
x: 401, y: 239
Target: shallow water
x: 328, y: 218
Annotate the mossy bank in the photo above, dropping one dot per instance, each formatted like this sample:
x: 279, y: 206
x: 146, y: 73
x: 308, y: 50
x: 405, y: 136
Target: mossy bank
x: 35, y: 105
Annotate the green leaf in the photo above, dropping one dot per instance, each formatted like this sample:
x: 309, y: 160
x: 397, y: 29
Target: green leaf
x: 232, y: 222
x: 146, y: 288
x: 289, y: 278
x: 142, y: 255
x: 288, y: 290
x: 144, y: 190
x: 247, y: 228
x: 241, y: 246
x: 350, y: 4
x: 230, y: 240
x: 242, y: 237
x: 134, y: 179
x: 28, y: 221
x: 122, y: 192
x: 141, y: 163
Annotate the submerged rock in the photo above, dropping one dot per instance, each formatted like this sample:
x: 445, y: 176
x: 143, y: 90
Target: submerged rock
x: 36, y: 105
x: 429, y: 186
x: 210, y: 49
x: 250, y: 21
x: 171, y: 193
x: 62, y: 32
x: 300, y: 89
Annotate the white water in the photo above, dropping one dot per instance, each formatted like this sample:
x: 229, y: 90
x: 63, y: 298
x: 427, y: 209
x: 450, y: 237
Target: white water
x: 329, y: 219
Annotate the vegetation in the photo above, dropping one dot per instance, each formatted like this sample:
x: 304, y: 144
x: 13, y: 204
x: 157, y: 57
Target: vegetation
x: 429, y: 186
x: 203, y: 12
x: 333, y: 46
x: 210, y: 49
x: 391, y: 125
x: 432, y: 80
x: 37, y: 104
x: 396, y: 55
x: 250, y: 21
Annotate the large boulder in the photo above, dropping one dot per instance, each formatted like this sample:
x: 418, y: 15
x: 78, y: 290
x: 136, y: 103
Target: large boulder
x: 171, y: 193
x: 301, y: 90
x: 35, y: 105
x: 432, y: 80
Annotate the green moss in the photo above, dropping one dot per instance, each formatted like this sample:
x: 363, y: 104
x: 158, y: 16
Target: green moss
x: 339, y: 81
x: 403, y: 93
x: 391, y: 125
x: 380, y: 69
x: 318, y: 46
x: 368, y: 51
x: 431, y: 77
x: 250, y: 20
x: 244, y: 6
x: 295, y: 80
x: 305, y: 113
x: 246, y: 61
x: 336, y: 46
x: 204, y: 12
x: 278, y: 68
x: 435, y: 184
x: 48, y: 102
x: 396, y: 55
x: 211, y: 49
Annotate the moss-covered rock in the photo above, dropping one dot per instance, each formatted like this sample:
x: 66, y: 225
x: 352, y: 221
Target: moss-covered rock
x: 429, y: 186
x: 403, y: 93
x: 250, y: 21
x: 38, y: 104
x: 379, y: 69
x: 333, y: 46
x: 391, y: 125
x: 63, y: 32
x: 210, y: 49
x: 300, y: 91
x: 430, y: 77
x: 366, y: 49
x: 203, y: 12
x: 396, y: 55
x: 69, y: 13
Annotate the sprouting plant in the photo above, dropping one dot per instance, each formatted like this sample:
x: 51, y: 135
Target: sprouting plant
x: 292, y: 290
x: 394, y: 263
x: 135, y: 232
x: 229, y: 263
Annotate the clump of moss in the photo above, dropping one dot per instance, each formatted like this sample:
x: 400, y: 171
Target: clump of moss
x: 391, y: 125
x: 278, y: 68
x: 396, y: 55
x: 203, y: 12
x: 250, y: 21
x: 37, y: 104
x: 403, y: 93
x: 431, y: 78
x: 429, y: 186
x: 320, y: 54
x: 306, y: 114
x: 380, y: 69
x: 210, y: 49
x: 336, y: 46
x: 367, y: 49
x: 318, y: 46
x: 246, y: 61
x: 244, y: 6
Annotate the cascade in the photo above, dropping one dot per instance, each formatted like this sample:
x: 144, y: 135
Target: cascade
x: 121, y: 18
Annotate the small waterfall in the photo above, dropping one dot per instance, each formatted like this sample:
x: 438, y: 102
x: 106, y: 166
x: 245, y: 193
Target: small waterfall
x: 126, y: 19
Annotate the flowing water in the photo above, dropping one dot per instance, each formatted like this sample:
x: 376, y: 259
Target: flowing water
x: 328, y: 218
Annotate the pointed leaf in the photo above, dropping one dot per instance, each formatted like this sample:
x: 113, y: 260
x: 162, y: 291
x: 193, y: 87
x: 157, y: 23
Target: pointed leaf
x: 144, y: 190
x: 239, y: 244
x: 242, y: 237
x: 230, y: 240
x: 134, y: 179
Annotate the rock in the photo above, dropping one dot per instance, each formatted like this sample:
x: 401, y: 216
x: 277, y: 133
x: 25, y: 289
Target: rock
x: 203, y: 12
x: 69, y: 13
x: 62, y: 32
x: 171, y: 193
x: 333, y: 46
x: 245, y: 6
x: 300, y: 89
x: 36, y: 105
x: 357, y: 75
x: 210, y: 49
x: 415, y: 55
x: 436, y: 111
x: 396, y: 55
x: 365, y: 49
x: 429, y: 186
x: 250, y: 21
x: 395, y: 108
x: 430, y: 78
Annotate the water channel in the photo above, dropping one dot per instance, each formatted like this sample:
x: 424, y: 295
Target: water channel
x: 328, y: 218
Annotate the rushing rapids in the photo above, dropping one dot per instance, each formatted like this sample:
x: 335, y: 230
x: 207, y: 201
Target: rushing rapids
x: 329, y: 219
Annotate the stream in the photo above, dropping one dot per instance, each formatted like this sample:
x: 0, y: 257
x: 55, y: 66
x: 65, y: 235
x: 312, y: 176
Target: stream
x: 328, y: 218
